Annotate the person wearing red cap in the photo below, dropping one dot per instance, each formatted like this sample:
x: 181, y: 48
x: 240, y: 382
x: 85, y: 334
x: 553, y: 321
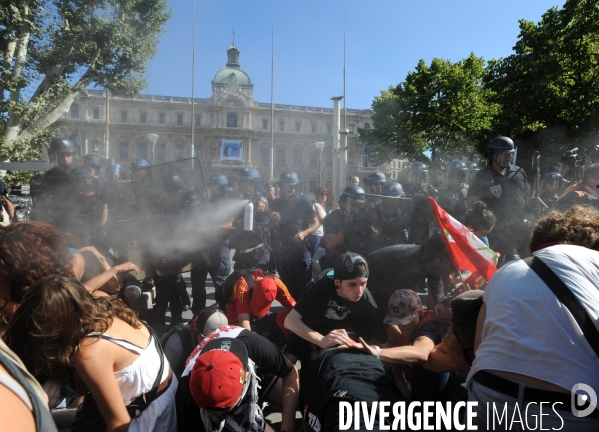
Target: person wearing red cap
x: 250, y: 297
x: 226, y: 379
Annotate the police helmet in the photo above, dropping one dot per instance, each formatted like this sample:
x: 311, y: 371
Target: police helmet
x: 113, y: 169
x: 376, y: 177
x: 392, y: 189
x: 502, y: 144
x: 218, y: 180
x: 139, y: 164
x: 62, y: 145
x: 92, y: 159
x: 552, y: 183
x: 354, y: 192
x: 473, y: 169
x: 457, y: 172
x: 418, y: 173
x: 249, y: 172
x: 288, y: 178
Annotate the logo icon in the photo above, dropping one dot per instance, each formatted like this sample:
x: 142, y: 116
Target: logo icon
x: 581, y: 395
x: 225, y: 346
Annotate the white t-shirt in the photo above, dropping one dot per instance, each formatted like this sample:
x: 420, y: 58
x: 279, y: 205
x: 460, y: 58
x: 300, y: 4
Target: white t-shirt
x: 528, y: 331
x: 319, y: 231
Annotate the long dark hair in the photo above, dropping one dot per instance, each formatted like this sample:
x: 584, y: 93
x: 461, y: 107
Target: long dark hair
x: 56, y: 314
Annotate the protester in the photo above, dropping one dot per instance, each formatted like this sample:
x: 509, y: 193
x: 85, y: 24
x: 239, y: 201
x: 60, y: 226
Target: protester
x: 336, y: 308
x: 529, y: 349
x: 60, y: 329
x: 228, y: 377
x: 480, y: 221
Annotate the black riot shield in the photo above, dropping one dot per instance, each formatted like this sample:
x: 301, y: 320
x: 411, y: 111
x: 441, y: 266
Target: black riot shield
x: 392, y: 219
x: 70, y: 203
x: 170, y: 201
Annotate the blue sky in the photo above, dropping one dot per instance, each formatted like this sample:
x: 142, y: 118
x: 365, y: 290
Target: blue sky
x: 385, y: 39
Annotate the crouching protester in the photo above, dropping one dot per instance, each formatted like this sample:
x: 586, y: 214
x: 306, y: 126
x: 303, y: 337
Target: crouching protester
x: 227, y: 379
x: 250, y: 296
x: 335, y: 309
x: 536, y: 335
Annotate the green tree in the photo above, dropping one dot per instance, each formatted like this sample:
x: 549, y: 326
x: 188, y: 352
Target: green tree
x: 441, y: 108
x: 552, y: 79
x: 52, y: 49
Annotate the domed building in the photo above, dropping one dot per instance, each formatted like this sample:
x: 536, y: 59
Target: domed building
x: 229, y: 115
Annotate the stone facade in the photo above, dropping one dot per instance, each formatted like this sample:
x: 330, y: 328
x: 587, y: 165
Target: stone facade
x: 230, y: 113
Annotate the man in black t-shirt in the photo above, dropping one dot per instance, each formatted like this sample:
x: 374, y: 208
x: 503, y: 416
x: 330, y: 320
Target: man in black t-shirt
x: 219, y: 383
x: 297, y: 220
x: 336, y: 308
x: 344, y: 376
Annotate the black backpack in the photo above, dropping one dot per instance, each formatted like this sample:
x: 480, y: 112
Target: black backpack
x: 182, y: 331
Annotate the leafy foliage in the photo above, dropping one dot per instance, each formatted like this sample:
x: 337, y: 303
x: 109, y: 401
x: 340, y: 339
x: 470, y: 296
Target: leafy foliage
x: 52, y: 49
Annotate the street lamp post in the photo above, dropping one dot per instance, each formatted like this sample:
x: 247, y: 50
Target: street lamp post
x: 153, y: 138
x: 319, y: 145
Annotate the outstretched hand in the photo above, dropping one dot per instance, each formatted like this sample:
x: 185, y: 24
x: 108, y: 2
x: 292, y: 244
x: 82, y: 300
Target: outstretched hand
x: 337, y: 337
x: 126, y: 267
x: 361, y: 346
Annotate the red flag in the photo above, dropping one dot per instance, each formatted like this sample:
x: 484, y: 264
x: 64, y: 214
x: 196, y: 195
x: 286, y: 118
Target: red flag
x: 467, y: 251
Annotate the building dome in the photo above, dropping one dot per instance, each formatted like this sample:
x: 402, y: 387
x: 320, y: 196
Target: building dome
x: 232, y: 69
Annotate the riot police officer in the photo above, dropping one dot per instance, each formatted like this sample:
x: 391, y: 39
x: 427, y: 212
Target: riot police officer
x: 297, y: 220
x: 417, y: 190
x: 551, y: 188
x: 375, y: 182
x: 117, y: 200
x: 473, y: 169
x: 93, y: 164
x: 349, y: 228
x: 219, y: 247
x: 453, y: 199
x: 252, y: 247
x: 113, y: 172
x: 393, y: 229
x: 62, y: 153
x: 504, y: 188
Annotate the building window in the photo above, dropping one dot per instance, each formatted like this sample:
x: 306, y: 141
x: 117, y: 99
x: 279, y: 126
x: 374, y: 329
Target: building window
x: 161, y: 151
x: 265, y: 124
x: 198, y: 120
x: 312, y: 185
x: 298, y: 126
x: 96, y: 113
x: 161, y: 118
x: 179, y: 119
x: 281, y: 125
x: 264, y: 156
x: 313, y: 156
x: 124, y: 116
x: 75, y: 111
x: 231, y: 119
x: 351, y: 129
x: 281, y: 156
x: 328, y: 158
x: 329, y: 129
x: 297, y: 157
x: 365, y: 162
x: 142, y: 118
x: 142, y: 150
x: 197, y: 151
x: 179, y: 151
x: 313, y: 127
x: 124, y: 150
x: 366, y: 125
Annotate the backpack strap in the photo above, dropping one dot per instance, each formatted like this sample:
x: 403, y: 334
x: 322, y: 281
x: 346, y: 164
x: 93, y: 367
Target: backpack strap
x: 186, y: 342
x: 568, y: 299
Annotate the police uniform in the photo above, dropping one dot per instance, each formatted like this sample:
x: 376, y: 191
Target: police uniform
x: 421, y: 215
x: 505, y: 196
x: 453, y: 200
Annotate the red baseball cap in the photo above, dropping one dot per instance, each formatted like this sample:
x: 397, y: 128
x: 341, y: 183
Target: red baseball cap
x: 219, y: 374
x: 265, y: 292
